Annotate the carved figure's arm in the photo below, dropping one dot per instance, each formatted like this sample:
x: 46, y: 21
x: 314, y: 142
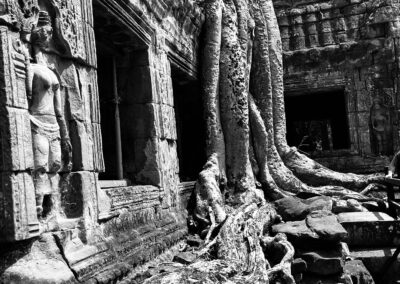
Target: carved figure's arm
x: 66, y: 146
x: 59, y: 114
x: 29, y: 74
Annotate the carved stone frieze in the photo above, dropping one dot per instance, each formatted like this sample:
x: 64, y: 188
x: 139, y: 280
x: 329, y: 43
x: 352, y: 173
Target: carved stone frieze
x: 69, y: 22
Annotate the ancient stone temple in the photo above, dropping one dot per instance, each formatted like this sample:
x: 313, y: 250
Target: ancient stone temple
x: 98, y: 100
x: 342, y: 56
x: 103, y: 136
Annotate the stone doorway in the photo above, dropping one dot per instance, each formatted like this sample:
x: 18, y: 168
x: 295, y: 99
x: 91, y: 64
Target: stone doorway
x: 116, y: 46
x: 317, y: 122
x: 190, y: 125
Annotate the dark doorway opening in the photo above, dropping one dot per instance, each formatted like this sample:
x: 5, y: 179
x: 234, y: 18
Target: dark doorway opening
x: 107, y: 110
x: 114, y: 44
x: 190, y: 126
x: 317, y: 122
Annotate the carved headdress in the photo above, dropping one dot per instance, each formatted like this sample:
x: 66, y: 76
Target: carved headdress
x: 43, y: 31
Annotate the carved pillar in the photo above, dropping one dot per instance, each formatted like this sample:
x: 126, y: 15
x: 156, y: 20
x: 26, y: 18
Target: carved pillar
x: 298, y: 38
x: 311, y: 20
x: 18, y: 219
x: 284, y: 27
x: 340, y: 29
x: 326, y: 28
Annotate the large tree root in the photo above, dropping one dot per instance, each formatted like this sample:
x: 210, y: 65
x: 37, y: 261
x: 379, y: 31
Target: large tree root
x: 241, y: 251
x: 282, y: 270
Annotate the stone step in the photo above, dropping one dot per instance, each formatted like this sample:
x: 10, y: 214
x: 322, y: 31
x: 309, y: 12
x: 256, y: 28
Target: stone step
x: 354, y: 271
x: 323, y: 262
x: 369, y: 229
x: 374, y: 260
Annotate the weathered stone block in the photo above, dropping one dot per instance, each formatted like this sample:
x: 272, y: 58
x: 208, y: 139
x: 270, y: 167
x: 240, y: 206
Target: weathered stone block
x: 169, y: 187
x: 42, y: 262
x: 369, y: 228
x: 134, y: 198
x: 149, y: 177
x: 82, y: 146
x: 185, y: 257
x: 168, y: 155
x: 356, y: 9
x: 297, y: 232
x: 357, y: 272
x: 93, y: 90
x: 353, y: 21
x: 17, y: 207
x: 168, y: 122
x: 295, y: 209
x: 323, y: 262
x: 75, y: 103
x: 98, y: 158
x: 86, y: 91
x: 12, y: 70
x: 16, y: 141
x: 164, y: 84
x: 79, y: 197
x: 326, y: 225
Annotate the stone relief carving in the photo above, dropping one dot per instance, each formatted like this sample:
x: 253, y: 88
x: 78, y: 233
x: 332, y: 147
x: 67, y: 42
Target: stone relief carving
x: 380, y: 124
x: 20, y: 15
x: 50, y: 137
x: 69, y: 26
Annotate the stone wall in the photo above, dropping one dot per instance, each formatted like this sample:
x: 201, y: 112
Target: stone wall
x: 351, y: 47
x: 94, y: 233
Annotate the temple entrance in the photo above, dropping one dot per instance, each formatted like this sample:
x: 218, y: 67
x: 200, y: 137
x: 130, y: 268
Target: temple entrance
x: 317, y: 122
x: 116, y: 46
x: 108, y: 109
x: 190, y: 126
x: 107, y: 56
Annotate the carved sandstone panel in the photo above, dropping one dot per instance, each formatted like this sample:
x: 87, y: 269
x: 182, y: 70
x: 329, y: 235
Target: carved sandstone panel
x: 17, y: 207
x: 15, y: 140
x: 12, y: 66
x: 71, y: 27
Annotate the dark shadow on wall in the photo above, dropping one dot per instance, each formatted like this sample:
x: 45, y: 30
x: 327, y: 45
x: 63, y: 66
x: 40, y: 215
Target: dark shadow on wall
x: 317, y: 122
x: 190, y: 126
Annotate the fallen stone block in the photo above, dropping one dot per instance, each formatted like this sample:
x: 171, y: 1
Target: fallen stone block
x: 369, y: 229
x: 294, y: 208
x: 351, y: 205
x: 326, y: 225
x: 297, y: 233
x: 374, y: 260
x: 185, y: 257
x: 356, y: 271
x: 323, y: 262
x: 298, y: 266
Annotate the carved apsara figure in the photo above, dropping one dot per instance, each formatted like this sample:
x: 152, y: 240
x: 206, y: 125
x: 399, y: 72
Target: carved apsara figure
x: 380, y: 125
x: 49, y: 131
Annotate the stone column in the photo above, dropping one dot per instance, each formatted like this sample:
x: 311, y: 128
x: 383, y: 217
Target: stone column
x: 326, y: 28
x: 18, y: 219
x: 284, y: 27
x: 298, y: 37
x: 310, y: 19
